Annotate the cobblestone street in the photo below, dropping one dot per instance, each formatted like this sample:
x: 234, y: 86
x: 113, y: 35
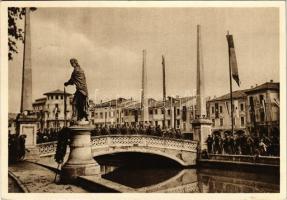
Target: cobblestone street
x: 39, y: 179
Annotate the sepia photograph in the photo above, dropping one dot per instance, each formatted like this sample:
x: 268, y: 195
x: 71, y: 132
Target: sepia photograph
x: 143, y: 97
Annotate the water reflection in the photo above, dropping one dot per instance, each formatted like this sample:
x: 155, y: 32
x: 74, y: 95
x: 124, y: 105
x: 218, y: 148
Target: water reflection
x: 154, y: 177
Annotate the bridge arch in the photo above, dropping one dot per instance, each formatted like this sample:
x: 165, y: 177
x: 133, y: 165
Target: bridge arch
x: 172, y: 157
x: 183, y: 152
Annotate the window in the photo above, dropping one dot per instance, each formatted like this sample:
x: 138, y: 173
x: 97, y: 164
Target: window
x: 216, y: 110
x: 178, y: 111
x: 150, y: 112
x: 241, y: 107
x: 261, y: 97
x: 61, y: 97
x: 220, y: 109
x: 168, y: 112
x: 177, y: 123
x: 155, y: 111
x: 251, y: 102
x: 52, y: 97
x: 101, y: 115
x: 213, y: 122
x: 93, y: 114
x: 242, y: 121
x: 221, y: 122
x: 57, y: 97
x: 168, y: 123
x: 162, y: 111
x: 96, y: 115
x: 156, y: 123
x: 212, y: 109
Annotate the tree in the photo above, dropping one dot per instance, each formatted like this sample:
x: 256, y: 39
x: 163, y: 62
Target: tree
x: 15, y: 33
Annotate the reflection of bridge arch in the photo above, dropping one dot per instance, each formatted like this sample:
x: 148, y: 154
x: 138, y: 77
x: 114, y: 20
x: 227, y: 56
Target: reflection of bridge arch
x: 181, y: 151
x: 185, y: 180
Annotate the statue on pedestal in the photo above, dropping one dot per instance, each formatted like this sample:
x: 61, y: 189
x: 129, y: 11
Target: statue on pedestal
x: 81, y: 100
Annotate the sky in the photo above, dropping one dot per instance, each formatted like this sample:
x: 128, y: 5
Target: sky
x: 108, y: 44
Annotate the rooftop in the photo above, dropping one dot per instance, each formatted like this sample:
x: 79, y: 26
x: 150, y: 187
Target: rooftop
x: 265, y: 86
x: 56, y: 92
x: 235, y: 95
x: 243, y: 93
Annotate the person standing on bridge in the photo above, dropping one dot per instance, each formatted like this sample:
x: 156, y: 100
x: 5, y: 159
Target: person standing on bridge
x: 80, y: 101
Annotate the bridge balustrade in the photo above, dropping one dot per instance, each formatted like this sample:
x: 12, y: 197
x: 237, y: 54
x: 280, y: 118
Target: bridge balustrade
x: 49, y: 148
x: 143, y: 140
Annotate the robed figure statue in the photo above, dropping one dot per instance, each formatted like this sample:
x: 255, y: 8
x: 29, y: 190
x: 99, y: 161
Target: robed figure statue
x: 81, y: 100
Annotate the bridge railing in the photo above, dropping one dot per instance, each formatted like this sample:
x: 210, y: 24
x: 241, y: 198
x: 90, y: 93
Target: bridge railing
x: 49, y: 148
x: 143, y: 141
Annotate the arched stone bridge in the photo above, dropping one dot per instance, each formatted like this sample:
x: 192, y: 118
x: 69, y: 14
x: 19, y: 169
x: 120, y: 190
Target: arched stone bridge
x: 183, y: 152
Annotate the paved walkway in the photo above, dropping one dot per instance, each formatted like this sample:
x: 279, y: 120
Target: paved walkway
x: 39, y: 179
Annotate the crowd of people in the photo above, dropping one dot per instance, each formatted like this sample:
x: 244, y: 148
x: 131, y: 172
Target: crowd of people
x: 238, y: 144
x: 138, y: 130
x: 243, y: 145
x: 47, y: 135
x: 16, y: 147
x: 51, y: 134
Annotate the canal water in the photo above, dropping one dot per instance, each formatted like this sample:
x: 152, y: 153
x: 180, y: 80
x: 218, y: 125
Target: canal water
x: 147, y: 173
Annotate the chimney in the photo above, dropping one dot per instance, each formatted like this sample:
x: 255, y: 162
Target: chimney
x: 271, y: 81
x: 256, y: 85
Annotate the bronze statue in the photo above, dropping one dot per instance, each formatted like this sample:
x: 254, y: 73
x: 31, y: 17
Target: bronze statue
x: 81, y: 100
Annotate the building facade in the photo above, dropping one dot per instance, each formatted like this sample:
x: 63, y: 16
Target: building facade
x: 220, y: 113
x: 178, y: 113
x: 264, y: 109
x: 50, y: 110
x: 256, y: 111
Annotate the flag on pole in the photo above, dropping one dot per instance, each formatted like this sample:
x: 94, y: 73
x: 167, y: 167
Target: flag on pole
x: 232, y: 59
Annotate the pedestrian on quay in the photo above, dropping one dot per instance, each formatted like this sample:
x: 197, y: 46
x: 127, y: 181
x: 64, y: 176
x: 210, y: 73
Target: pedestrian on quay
x: 250, y: 145
x: 231, y: 143
x: 262, y: 147
x: 216, y: 144
x: 225, y: 144
x: 209, y: 142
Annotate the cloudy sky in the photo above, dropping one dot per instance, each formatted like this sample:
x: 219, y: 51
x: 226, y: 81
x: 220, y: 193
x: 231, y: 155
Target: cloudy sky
x: 108, y: 43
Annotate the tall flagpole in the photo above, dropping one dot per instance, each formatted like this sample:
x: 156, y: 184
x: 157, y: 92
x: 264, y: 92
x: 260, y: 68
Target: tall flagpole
x: 65, y: 108
x: 164, y: 91
x: 230, y: 82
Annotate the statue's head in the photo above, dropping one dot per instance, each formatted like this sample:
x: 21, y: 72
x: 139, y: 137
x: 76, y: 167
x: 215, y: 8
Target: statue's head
x: 74, y: 62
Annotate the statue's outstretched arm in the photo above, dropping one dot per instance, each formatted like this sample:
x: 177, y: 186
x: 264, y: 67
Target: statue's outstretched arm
x: 70, y: 82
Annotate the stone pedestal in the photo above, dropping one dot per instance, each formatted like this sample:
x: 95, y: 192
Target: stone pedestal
x: 80, y: 161
x: 27, y: 125
x: 201, y: 129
